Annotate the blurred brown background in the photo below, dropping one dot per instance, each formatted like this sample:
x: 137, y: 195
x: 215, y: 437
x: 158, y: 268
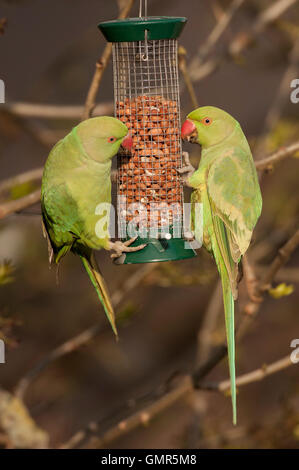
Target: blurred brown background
x: 47, y: 55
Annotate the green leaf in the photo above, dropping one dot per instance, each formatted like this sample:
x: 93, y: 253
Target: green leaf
x: 281, y: 290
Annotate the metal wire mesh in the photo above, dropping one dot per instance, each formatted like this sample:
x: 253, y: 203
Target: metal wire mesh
x: 146, y: 90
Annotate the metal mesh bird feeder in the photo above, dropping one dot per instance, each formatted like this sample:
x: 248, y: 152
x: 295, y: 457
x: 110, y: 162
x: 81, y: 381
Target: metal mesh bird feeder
x: 146, y: 94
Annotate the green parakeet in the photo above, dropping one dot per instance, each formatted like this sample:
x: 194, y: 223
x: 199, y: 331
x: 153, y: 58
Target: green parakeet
x: 76, y: 182
x: 226, y: 184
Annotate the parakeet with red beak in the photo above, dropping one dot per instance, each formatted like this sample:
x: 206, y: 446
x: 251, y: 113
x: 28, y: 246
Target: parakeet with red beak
x: 226, y: 184
x: 76, y: 194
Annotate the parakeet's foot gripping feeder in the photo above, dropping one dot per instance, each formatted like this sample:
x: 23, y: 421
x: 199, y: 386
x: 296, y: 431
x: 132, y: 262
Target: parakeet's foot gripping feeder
x: 146, y: 90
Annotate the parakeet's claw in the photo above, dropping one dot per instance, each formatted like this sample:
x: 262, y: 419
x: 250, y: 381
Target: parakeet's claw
x: 123, y: 247
x: 187, y: 170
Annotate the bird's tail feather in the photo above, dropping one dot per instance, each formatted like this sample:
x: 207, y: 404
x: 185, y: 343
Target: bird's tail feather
x: 99, y: 284
x: 230, y: 335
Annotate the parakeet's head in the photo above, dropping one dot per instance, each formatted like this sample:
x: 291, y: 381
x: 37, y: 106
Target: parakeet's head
x: 208, y: 126
x: 102, y: 136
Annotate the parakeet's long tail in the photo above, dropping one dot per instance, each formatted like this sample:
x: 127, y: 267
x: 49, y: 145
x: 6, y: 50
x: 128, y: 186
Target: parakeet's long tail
x: 229, y: 309
x: 99, y: 284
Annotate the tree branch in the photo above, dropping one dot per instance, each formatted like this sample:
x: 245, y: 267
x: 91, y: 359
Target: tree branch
x: 188, y: 82
x: 195, y: 66
x: 27, y: 176
x: 18, y: 425
x: 218, y: 353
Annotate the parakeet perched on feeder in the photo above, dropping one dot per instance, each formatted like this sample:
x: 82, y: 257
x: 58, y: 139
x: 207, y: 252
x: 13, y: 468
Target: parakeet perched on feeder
x: 226, y: 184
x: 76, y: 182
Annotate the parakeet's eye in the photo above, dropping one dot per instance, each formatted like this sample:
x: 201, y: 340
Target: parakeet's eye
x: 206, y: 121
x: 112, y: 139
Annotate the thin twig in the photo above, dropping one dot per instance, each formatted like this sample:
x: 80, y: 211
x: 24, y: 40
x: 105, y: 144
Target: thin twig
x: 267, y: 16
x: 208, y: 324
x: 251, y: 280
x: 27, y: 176
x: 140, y: 418
x: 18, y: 425
x: 7, y: 208
x: 282, y: 153
x: 282, y: 258
x: 216, y: 33
x: 265, y: 283
x: 188, y: 82
x: 217, y: 354
x: 48, y: 111
x: 281, y: 96
x: 100, y: 68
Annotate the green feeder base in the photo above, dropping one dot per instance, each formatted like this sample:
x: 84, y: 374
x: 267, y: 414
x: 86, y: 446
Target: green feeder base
x: 159, y: 250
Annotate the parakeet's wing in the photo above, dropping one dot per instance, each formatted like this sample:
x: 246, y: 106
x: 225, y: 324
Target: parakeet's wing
x: 235, y: 197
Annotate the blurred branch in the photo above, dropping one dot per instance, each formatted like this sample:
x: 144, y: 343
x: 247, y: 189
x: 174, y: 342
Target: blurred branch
x: 251, y: 280
x: 217, y: 9
x: 183, y: 388
x: 241, y: 41
x: 100, y: 68
x: 15, y: 421
x: 282, y: 153
x: 217, y: 354
x: 83, y: 338
x: 282, y: 258
x: 209, y: 321
x: 267, y: 16
x: 224, y: 19
x: 47, y: 111
x: 27, y: 176
x: 7, y: 208
x: 282, y: 95
x: 3, y: 24
x: 254, y: 376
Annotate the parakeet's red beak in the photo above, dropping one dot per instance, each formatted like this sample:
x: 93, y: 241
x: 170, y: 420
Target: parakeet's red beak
x: 188, y: 128
x: 127, y: 143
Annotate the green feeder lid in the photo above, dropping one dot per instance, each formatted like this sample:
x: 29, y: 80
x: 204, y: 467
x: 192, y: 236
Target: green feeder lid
x: 133, y: 29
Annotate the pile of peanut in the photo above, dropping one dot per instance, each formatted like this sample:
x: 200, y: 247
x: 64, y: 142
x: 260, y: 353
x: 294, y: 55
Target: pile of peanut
x: 148, y: 173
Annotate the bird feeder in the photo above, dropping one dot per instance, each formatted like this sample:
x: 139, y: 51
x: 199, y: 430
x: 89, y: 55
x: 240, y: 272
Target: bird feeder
x: 146, y: 99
